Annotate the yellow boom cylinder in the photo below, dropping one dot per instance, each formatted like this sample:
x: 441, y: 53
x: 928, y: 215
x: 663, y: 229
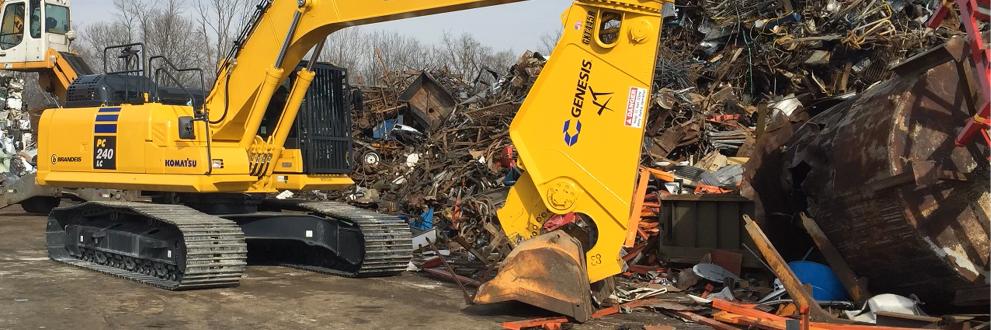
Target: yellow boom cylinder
x: 273, y: 77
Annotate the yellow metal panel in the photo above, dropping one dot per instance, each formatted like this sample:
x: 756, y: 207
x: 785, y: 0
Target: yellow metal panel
x: 311, y: 182
x: 579, y: 132
x: 151, y: 182
x: 65, y: 148
x: 290, y: 161
x: 143, y: 142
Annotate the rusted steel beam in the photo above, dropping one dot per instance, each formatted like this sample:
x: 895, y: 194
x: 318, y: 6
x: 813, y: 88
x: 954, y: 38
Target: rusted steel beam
x: 858, y: 292
x: 468, y: 298
x: 635, y: 211
x: 638, y: 201
x: 444, y: 275
x: 748, y: 315
x: 779, y: 267
x: 704, y: 320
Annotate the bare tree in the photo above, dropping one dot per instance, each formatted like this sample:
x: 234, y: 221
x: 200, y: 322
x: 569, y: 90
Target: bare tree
x: 135, y: 16
x: 219, y: 23
x: 162, y: 26
x: 175, y: 37
x: 462, y: 55
x: 391, y: 54
x: 347, y: 48
x: 500, y: 61
x: 467, y: 59
x: 548, y: 41
x: 198, y: 33
x: 95, y: 37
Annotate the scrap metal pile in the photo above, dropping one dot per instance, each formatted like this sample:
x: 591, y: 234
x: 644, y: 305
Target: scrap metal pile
x: 17, y: 143
x: 724, y: 66
x: 428, y: 144
x: 433, y: 148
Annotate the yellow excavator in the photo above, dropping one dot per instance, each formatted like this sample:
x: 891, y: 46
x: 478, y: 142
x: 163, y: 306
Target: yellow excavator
x: 35, y: 37
x: 208, y: 167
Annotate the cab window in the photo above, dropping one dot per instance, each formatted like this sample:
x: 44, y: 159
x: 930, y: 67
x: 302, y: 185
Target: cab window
x: 35, y: 19
x: 12, y: 26
x: 56, y: 19
x: 609, y: 28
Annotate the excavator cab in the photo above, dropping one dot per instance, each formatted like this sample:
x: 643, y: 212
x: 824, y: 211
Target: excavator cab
x: 29, y: 28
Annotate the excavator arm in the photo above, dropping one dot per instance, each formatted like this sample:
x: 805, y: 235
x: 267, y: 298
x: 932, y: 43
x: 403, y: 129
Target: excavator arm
x: 579, y: 135
x: 278, y: 39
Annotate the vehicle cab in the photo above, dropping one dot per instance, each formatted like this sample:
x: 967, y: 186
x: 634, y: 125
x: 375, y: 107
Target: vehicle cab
x: 30, y: 28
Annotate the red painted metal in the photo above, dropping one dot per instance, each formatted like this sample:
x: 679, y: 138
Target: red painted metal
x: 547, y: 323
x: 705, y: 320
x: 971, y: 13
x: 559, y: 221
x: 749, y: 315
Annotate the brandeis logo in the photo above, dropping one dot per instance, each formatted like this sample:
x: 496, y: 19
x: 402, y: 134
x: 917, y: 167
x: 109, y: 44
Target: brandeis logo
x: 59, y: 159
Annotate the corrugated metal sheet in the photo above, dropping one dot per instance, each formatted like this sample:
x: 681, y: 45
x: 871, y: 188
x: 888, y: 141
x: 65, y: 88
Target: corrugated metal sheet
x: 694, y: 225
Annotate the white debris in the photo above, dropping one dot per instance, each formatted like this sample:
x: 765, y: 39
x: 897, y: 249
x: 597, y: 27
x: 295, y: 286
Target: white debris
x: 14, y: 103
x: 18, y: 147
x: 15, y: 85
x: 412, y: 160
x: 285, y: 194
x: 885, y: 303
x: 788, y: 105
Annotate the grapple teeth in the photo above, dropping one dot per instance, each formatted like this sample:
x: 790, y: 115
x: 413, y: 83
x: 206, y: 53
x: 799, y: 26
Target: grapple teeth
x: 547, y: 271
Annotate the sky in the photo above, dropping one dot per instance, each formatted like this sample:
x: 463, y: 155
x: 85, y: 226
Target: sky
x: 515, y: 27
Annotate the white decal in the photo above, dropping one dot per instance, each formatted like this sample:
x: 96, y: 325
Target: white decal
x: 636, y: 106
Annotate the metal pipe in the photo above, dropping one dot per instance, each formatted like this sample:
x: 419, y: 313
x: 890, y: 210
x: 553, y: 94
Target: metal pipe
x: 316, y: 55
x: 285, y: 44
x: 468, y: 299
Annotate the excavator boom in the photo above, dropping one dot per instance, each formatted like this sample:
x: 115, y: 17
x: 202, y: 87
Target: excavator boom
x: 279, y: 40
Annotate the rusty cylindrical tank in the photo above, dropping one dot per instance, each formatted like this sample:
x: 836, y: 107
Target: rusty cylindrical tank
x: 880, y: 174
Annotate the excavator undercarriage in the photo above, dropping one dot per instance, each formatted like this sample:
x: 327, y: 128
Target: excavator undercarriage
x: 328, y: 237
x: 177, y: 247
x: 168, y: 246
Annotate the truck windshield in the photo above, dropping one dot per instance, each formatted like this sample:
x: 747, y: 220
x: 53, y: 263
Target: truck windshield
x: 56, y: 19
x: 35, y: 19
x: 12, y: 31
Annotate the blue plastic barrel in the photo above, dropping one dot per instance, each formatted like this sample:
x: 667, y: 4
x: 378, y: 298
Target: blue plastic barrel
x: 825, y: 285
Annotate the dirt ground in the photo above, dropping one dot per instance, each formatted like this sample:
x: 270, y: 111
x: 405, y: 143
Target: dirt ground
x: 36, y: 293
